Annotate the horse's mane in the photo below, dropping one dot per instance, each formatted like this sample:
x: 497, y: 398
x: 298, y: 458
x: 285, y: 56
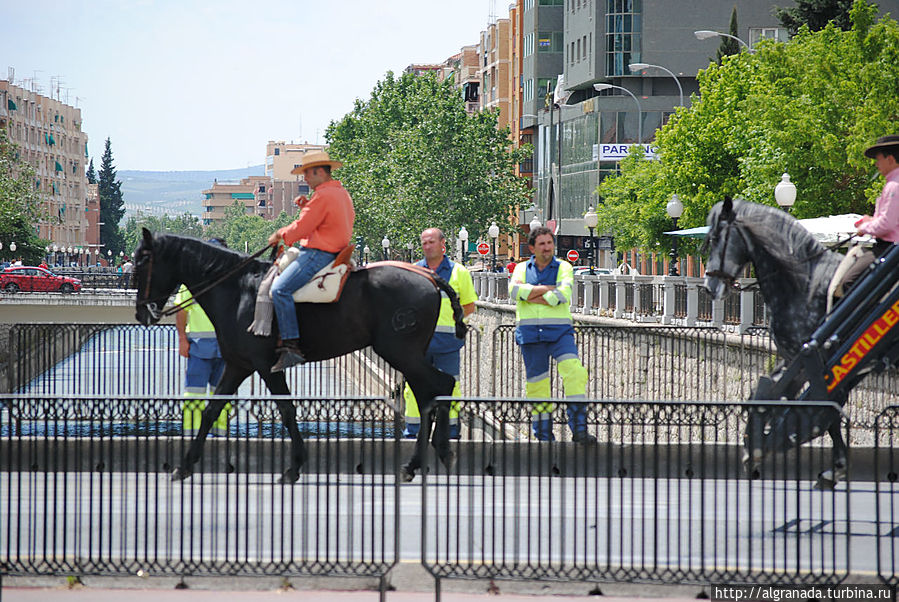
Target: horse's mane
x: 190, y: 252
x: 782, y: 237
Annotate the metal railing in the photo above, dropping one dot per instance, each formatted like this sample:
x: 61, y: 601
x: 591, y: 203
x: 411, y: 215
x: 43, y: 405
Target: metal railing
x: 886, y: 469
x: 663, y: 299
x: 86, y: 489
x: 660, y: 497
x: 649, y: 363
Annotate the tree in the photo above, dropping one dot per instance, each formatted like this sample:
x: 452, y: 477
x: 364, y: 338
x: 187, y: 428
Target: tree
x: 413, y: 159
x: 184, y: 224
x: 91, y: 174
x: 729, y: 46
x: 816, y: 14
x: 808, y: 107
x: 112, y: 207
x: 246, y: 232
x: 20, y: 206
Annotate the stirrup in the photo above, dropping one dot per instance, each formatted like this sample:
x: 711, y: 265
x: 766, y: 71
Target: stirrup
x: 288, y: 359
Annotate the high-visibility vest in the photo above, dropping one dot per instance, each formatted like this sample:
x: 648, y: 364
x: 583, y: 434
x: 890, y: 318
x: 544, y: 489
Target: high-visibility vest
x: 536, y: 322
x: 444, y: 339
x: 198, y: 324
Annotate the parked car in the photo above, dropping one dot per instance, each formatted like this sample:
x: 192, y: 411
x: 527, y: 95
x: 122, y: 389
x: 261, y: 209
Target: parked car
x: 34, y: 279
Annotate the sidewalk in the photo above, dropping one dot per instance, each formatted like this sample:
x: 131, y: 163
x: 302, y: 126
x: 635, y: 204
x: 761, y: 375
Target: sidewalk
x: 88, y: 594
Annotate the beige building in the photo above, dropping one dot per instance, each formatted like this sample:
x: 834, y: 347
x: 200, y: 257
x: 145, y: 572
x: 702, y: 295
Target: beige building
x: 494, y: 52
x: 254, y: 192
x: 281, y: 158
x: 48, y: 133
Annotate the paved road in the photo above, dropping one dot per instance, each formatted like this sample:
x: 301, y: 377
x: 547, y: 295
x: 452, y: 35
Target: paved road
x: 685, y: 525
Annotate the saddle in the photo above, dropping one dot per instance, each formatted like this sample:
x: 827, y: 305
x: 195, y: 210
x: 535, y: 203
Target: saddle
x: 327, y: 284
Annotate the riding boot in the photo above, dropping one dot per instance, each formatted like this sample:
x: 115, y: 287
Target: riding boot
x: 291, y: 355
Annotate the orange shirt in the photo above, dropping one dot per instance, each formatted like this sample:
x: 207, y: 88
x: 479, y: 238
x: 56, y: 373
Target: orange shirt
x: 325, y: 221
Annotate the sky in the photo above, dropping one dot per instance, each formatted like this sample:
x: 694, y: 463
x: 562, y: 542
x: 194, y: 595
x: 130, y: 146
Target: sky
x: 190, y: 85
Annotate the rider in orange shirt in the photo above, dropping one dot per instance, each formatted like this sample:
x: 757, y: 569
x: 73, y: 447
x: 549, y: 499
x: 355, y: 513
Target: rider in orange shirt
x: 323, y: 228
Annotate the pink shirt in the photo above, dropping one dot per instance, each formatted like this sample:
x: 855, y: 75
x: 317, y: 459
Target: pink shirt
x: 884, y: 224
x: 325, y: 221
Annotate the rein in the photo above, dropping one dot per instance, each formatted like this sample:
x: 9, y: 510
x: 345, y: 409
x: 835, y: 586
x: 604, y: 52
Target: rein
x: 205, y: 287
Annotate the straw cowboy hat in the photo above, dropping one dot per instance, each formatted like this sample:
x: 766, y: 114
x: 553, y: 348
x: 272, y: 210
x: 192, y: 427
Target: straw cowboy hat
x: 316, y: 159
x: 883, y: 143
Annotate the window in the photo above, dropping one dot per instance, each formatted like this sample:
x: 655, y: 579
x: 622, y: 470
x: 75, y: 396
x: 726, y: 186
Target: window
x: 277, y: 151
x: 778, y: 34
x: 623, y: 29
x: 529, y: 44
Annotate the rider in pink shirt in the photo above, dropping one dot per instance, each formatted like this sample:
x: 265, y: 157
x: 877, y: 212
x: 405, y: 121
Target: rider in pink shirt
x: 884, y: 224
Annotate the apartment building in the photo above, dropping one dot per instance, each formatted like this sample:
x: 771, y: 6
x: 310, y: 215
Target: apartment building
x: 494, y: 53
x: 49, y: 136
x: 254, y: 192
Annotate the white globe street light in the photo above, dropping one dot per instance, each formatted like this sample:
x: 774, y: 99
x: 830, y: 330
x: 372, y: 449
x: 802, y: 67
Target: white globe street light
x: 785, y: 192
x: 493, y: 232
x: 463, y: 240
x: 535, y: 223
x: 385, y: 244
x: 675, y: 209
x: 591, y: 220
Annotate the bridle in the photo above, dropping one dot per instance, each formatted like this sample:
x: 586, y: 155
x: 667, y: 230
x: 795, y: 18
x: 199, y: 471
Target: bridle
x: 153, y: 305
x: 720, y: 274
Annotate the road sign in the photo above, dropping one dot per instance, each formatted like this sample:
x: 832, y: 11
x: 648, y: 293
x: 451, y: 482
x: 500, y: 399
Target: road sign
x: 572, y: 255
x: 483, y: 248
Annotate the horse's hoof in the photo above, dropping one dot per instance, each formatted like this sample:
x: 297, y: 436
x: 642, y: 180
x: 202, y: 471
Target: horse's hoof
x: 449, y: 460
x: 407, y: 473
x: 289, y: 477
x: 179, y: 474
x: 827, y: 480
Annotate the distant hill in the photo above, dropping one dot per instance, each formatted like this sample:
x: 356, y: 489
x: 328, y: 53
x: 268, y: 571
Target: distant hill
x: 174, y: 192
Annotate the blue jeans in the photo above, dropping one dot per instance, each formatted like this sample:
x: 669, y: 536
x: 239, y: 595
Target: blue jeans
x: 298, y: 273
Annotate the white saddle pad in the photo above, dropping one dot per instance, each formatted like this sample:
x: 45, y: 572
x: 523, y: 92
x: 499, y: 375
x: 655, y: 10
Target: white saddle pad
x: 324, y: 286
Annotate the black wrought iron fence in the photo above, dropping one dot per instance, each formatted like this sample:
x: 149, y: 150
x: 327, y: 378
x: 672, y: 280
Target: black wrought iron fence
x: 86, y: 489
x: 648, y: 363
x: 886, y: 469
x: 115, y: 360
x: 660, y: 497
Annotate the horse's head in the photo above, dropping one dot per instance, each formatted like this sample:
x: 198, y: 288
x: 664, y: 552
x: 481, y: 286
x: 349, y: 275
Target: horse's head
x: 154, y: 285
x: 728, y: 248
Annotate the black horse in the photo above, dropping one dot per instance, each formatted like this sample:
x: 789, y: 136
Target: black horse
x: 793, y: 273
x: 391, y: 308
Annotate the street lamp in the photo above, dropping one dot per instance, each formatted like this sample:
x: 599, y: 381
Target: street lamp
x: 634, y: 67
x: 97, y: 257
x: 463, y: 239
x: 409, y: 246
x: 785, y: 192
x: 590, y: 220
x: 493, y: 232
x: 367, y: 252
x: 108, y: 257
x: 705, y: 34
x: 12, y: 247
x: 601, y: 87
x: 675, y: 209
x: 385, y: 244
x: 535, y: 223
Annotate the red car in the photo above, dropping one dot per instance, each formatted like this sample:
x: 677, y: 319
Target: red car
x: 32, y: 279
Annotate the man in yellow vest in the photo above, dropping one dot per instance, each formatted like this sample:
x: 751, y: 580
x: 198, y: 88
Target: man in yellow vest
x: 197, y: 343
x: 541, y: 287
x: 443, y: 351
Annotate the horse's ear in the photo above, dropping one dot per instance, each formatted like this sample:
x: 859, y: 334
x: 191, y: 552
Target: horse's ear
x: 148, y: 237
x: 727, y: 210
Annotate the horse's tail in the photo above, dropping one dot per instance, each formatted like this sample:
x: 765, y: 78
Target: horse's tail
x: 458, y: 314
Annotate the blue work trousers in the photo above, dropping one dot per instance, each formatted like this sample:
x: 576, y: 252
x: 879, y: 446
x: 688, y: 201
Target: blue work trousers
x: 300, y: 272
